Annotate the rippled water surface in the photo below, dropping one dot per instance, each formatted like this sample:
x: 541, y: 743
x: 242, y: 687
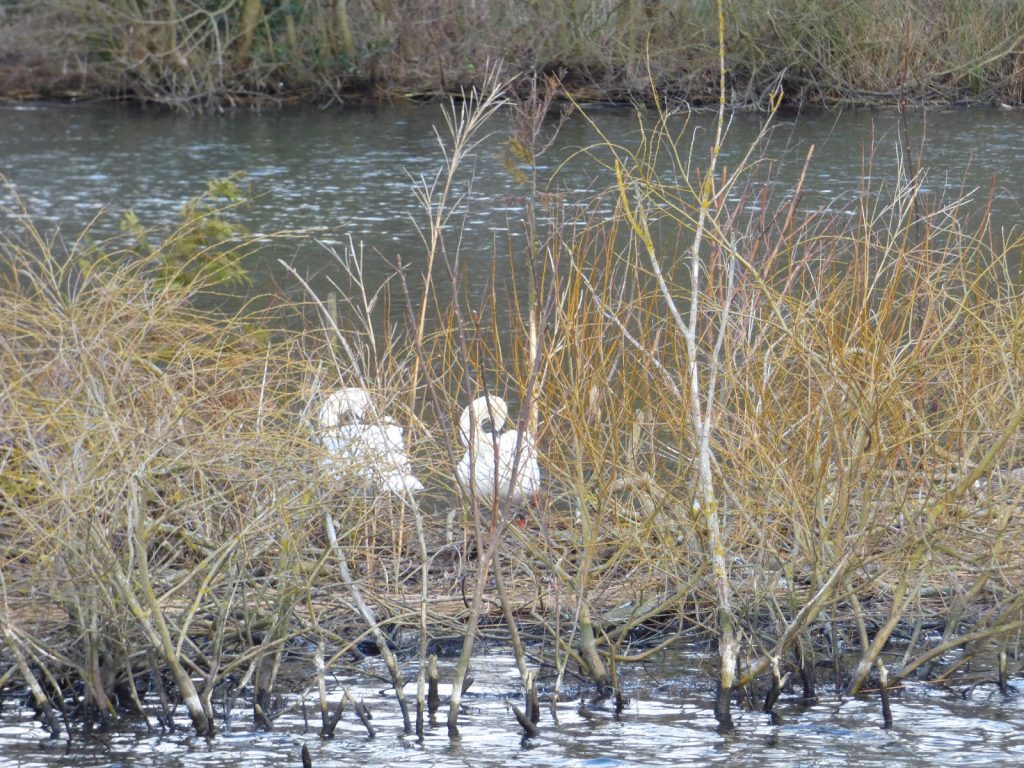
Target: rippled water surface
x: 667, y: 722
x: 353, y: 172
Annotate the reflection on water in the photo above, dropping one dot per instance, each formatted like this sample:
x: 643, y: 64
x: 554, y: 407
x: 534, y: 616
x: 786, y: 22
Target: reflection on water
x: 668, y: 722
x: 352, y: 172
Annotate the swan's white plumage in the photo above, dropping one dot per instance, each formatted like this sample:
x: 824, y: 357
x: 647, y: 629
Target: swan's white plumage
x: 372, y: 453
x: 344, y: 406
x: 490, y: 458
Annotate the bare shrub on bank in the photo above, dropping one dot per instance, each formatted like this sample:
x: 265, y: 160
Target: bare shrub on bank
x: 850, y: 383
x: 792, y: 436
x: 156, y: 476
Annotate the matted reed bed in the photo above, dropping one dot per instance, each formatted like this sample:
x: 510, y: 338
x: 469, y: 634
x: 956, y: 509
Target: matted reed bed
x: 791, y: 437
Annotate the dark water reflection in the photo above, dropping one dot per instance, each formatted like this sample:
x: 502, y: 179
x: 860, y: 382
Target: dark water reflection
x: 667, y: 722
x: 351, y: 172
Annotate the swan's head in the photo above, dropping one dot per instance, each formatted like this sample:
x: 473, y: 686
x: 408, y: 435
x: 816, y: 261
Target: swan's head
x: 343, y: 406
x: 482, y: 413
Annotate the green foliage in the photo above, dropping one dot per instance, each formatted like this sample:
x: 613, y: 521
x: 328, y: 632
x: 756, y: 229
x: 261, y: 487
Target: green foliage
x: 515, y: 157
x: 207, y: 245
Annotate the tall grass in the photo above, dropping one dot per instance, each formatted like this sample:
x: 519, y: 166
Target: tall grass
x: 793, y: 437
x: 195, y: 56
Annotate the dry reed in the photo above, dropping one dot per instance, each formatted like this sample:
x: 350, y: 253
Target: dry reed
x: 213, y: 55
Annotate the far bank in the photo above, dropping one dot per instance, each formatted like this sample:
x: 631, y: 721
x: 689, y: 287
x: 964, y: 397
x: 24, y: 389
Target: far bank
x: 263, y: 53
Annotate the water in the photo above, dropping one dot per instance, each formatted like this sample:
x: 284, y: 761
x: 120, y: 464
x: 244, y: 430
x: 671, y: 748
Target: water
x: 351, y: 173
x: 667, y: 722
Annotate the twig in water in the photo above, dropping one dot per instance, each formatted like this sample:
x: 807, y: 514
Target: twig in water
x: 883, y: 686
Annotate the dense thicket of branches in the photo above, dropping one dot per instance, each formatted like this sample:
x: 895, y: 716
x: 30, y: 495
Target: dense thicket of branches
x: 794, y: 437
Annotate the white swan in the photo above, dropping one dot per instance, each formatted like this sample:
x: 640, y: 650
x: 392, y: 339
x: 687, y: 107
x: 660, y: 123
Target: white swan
x: 374, y: 453
x: 490, y: 457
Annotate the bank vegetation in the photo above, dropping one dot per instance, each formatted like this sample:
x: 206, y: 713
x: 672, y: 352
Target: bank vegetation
x: 197, y: 55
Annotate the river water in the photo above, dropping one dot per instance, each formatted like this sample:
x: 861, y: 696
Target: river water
x: 351, y: 173
x: 666, y: 722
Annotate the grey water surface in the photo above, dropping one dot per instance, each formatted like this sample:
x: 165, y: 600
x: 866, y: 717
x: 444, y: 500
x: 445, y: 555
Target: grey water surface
x: 352, y: 173
x: 667, y: 722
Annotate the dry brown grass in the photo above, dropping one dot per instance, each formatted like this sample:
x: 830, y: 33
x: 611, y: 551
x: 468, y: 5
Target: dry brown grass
x: 195, y: 56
